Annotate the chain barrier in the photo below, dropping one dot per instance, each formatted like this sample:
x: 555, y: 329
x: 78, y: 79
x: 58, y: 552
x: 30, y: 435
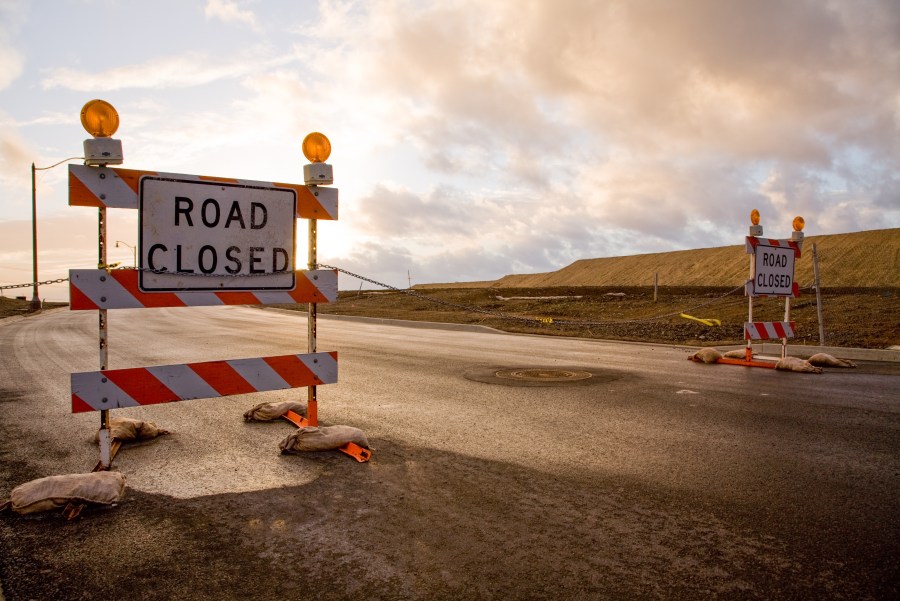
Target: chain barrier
x: 437, y: 301
x: 113, y: 266
x: 530, y: 320
x: 431, y: 299
x: 30, y: 284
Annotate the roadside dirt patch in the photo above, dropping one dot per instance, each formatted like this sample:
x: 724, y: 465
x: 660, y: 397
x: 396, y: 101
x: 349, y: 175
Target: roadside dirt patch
x: 11, y: 307
x: 853, y: 317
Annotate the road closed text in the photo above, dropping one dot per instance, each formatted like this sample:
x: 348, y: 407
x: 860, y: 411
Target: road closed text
x: 209, y: 214
x: 214, y: 236
x: 774, y: 272
x: 773, y: 281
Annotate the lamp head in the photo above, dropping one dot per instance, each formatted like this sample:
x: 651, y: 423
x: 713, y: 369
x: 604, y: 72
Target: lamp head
x: 317, y: 149
x: 99, y: 118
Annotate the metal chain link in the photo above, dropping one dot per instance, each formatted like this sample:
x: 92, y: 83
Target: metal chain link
x: 436, y: 301
x: 530, y: 320
x: 30, y: 284
x: 430, y: 299
x: 143, y: 269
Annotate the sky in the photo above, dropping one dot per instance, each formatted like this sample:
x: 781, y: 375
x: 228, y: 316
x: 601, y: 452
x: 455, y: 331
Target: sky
x: 470, y: 139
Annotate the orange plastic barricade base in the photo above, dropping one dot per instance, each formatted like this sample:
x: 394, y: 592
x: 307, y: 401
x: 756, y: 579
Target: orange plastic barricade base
x: 357, y: 452
x: 296, y: 419
x: 746, y: 363
x: 352, y: 449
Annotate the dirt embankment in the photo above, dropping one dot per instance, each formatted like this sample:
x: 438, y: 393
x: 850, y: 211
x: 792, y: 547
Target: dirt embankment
x: 856, y: 260
x: 612, y: 298
x: 857, y: 317
x: 10, y: 307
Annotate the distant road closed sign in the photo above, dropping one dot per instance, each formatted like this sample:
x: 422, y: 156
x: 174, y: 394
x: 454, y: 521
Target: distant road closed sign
x: 205, y: 235
x: 774, y: 275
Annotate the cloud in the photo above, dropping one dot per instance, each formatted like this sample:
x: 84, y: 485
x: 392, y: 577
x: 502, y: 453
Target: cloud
x: 15, y: 158
x: 12, y: 15
x: 192, y: 69
x: 475, y: 139
x: 469, y: 235
x: 230, y: 11
x: 609, y: 128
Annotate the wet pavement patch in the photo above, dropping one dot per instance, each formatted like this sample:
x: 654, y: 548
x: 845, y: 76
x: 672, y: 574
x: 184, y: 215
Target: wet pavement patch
x: 541, y: 375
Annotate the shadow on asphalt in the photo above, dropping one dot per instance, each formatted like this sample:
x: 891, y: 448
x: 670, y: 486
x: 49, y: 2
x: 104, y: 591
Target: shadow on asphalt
x: 420, y: 523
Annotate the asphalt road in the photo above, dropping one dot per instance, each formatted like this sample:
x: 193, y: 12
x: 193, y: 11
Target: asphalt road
x: 654, y: 478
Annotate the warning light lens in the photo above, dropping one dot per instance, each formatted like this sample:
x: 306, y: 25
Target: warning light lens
x: 754, y: 217
x: 316, y: 147
x: 99, y: 118
x: 798, y: 224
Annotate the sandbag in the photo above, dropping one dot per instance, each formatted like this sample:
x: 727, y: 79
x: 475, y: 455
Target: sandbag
x: 323, y: 438
x: 740, y: 353
x: 126, y: 429
x: 52, y: 492
x: 826, y: 360
x: 266, y: 412
x: 797, y: 364
x: 706, y: 355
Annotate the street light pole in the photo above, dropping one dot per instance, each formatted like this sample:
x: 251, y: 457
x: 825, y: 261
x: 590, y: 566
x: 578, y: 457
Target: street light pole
x: 133, y: 251
x: 35, y: 300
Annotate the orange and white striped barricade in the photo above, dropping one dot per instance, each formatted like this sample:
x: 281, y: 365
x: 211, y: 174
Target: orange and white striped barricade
x: 138, y: 386
x: 116, y: 188
x: 179, y: 285
x: 769, y: 330
x: 91, y: 289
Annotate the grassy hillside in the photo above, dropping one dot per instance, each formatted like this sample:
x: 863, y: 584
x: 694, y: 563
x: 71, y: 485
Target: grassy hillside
x: 857, y: 260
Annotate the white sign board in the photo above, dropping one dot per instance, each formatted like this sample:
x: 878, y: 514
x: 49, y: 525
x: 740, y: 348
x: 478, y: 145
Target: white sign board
x: 774, y: 274
x: 207, y: 235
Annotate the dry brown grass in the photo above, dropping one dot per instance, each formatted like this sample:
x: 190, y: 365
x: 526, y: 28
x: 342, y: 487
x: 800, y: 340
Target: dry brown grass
x: 860, y: 281
x: 10, y: 307
x: 862, y: 317
x: 857, y: 260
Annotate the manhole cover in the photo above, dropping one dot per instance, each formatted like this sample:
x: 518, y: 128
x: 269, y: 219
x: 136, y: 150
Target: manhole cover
x: 541, y: 376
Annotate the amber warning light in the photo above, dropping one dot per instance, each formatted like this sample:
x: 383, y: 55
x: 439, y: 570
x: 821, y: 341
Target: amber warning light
x: 317, y: 149
x: 100, y: 119
x: 799, y: 223
x: 755, y: 229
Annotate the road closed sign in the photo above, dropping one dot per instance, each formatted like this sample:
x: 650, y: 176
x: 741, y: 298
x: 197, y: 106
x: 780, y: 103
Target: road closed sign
x: 774, y: 271
x: 210, y: 235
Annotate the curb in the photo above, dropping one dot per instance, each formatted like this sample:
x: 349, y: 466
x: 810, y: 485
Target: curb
x: 408, y: 323
x: 805, y: 352
x: 766, y: 348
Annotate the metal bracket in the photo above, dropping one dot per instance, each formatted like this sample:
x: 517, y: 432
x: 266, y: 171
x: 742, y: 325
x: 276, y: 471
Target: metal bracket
x: 113, y: 449
x: 73, y: 509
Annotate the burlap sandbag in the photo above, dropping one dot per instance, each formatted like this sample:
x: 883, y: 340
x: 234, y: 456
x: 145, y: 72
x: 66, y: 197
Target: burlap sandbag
x: 126, y: 429
x: 266, y: 412
x: 736, y: 354
x: 797, y: 364
x: 826, y: 360
x: 323, y: 438
x: 706, y: 355
x: 52, y: 492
